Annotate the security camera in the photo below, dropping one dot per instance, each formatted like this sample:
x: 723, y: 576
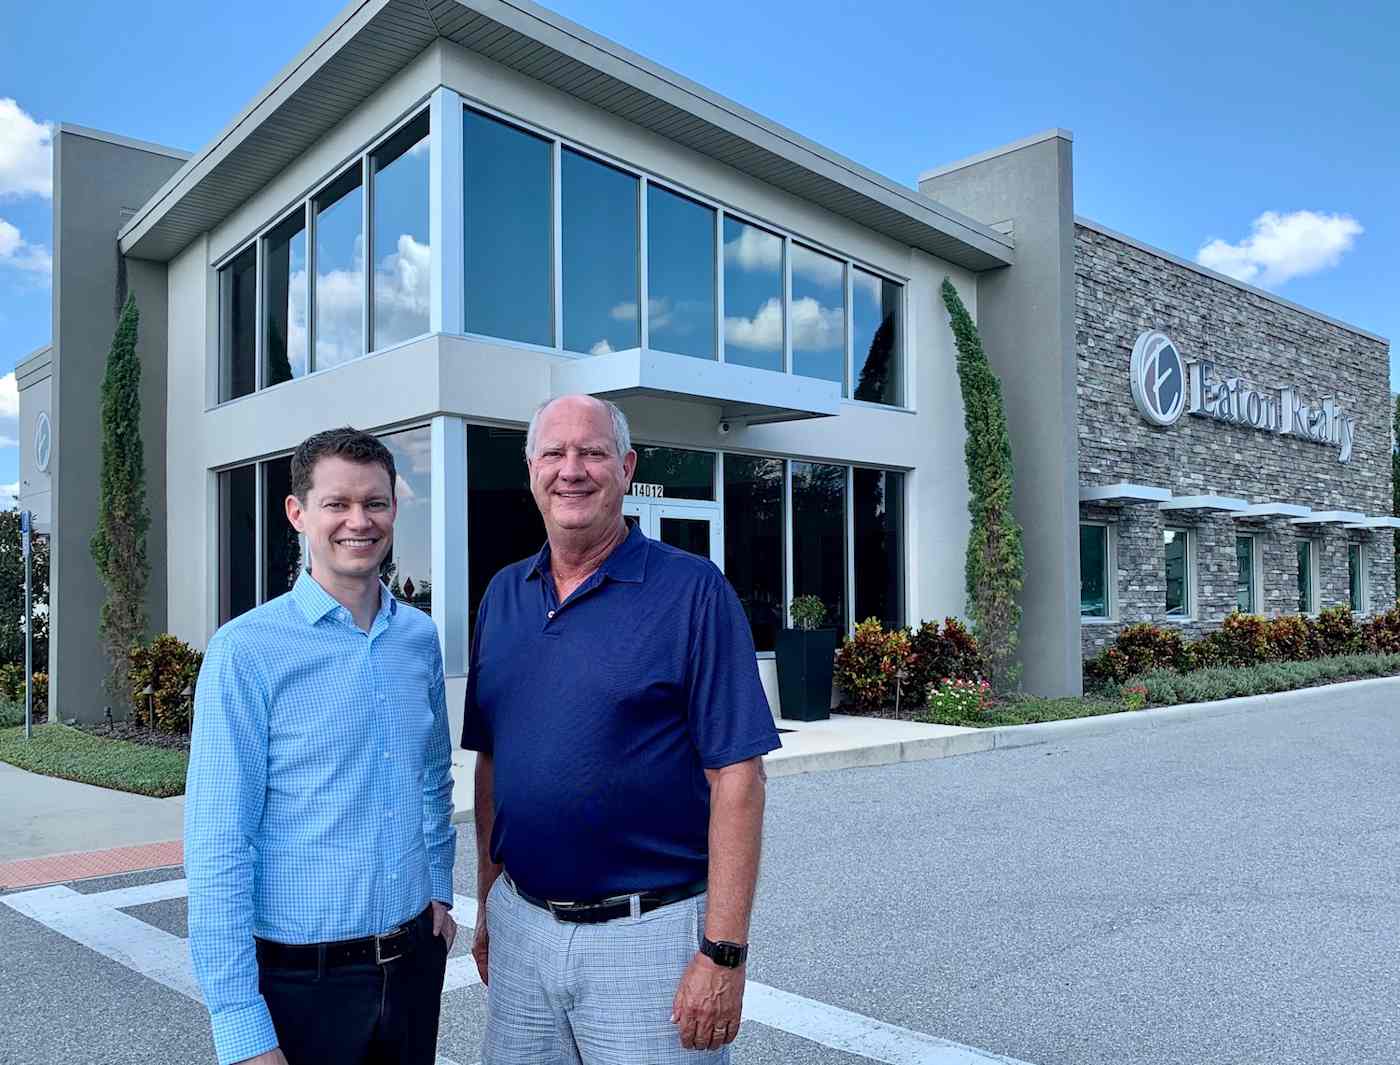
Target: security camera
x: 724, y: 427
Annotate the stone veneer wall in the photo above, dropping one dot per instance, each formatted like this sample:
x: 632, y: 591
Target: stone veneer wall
x: 1121, y: 291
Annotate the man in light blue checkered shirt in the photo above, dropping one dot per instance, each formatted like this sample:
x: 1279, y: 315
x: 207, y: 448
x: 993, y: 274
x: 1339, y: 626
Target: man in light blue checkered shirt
x: 318, y: 835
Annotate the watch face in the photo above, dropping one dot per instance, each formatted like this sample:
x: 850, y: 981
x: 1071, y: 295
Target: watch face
x: 729, y: 955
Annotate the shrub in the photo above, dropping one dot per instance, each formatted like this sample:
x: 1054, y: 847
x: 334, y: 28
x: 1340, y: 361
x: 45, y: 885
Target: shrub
x: 1337, y: 632
x: 1134, y: 697
x: 12, y: 687
x: 1243, y: 640
x: 960, y: 699
x: 1148, y: 647
x: 1382, y: 632
x: 868, y: 662
x: 808, y: 612
x: 935, y: 654
x: 1290, y: 638
x: 1110, y: 667
x: 169, y: 665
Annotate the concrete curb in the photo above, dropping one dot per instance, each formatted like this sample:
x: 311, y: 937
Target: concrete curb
x: 1008, y: 737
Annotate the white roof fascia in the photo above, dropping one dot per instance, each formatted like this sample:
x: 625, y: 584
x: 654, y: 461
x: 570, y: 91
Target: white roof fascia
x: 1207, y: 502
x: 1274, y: 510
x: 1123, y: 492
x: 1383, y: 522
x: 1330, y: 517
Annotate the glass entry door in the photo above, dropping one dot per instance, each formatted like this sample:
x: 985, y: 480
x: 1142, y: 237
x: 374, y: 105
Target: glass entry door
x: 693, y: 526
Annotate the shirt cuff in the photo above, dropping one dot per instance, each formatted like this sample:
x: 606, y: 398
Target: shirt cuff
x: 442, y: 886
x: 243, y: 1032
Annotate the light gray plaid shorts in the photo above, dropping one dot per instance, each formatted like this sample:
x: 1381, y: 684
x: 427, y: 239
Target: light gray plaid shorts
x: 587, y: 994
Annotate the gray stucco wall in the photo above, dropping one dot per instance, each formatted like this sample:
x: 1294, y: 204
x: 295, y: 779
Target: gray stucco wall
x: 98, y: 182
x: 1124, y: 290
x: 1025, y: 319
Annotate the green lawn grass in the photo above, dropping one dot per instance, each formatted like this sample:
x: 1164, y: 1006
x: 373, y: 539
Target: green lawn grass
x: 1027, y: 710
x: 60, y: 751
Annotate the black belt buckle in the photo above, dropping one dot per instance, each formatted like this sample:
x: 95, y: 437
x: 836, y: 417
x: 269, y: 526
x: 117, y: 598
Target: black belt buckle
x: 379, y: 956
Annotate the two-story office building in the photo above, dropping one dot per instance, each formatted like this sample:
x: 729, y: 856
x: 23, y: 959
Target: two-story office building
x: 439, y: 216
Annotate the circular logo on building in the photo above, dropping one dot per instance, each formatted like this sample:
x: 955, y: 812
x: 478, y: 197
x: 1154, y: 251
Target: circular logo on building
x: 43, y: 442
x: 1159, y: 378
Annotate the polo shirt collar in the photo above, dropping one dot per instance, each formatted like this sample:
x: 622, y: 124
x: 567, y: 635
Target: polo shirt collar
x: 315, y: 602
x: 627, y: 563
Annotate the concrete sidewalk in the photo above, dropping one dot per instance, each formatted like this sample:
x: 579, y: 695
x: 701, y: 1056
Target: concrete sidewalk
x: 42, y: 816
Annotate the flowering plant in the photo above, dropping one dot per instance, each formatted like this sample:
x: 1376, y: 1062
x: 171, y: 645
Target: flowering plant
x: 955, y: 697
x: 1134, y: 697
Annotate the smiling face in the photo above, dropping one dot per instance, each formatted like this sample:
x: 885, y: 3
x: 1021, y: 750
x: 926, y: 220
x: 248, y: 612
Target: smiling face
x: 347, y: 519
x: 576, y: 475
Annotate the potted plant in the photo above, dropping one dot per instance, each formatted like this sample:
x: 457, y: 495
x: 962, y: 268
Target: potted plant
x: 805, y: 658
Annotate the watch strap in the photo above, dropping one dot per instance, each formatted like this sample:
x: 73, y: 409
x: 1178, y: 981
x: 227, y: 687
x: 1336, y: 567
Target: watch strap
x: 722, y: 952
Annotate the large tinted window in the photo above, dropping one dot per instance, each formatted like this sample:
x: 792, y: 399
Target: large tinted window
x: 1305, y: 577
x: 281, y: 544
x: 680, y: 274
x: 681, y: 474
x: 409, y: 571
x: 1093, y: 566
x: 402, y: 270
x: 238, y: 541
x: 1178, y: 573
x: 818, y: 315
x: 509, y: 216
x: 1356, y: 576
x: 238, y: 302
x: 819, y: 537
x: 503, y: 524
x: 877, y: 512
x: 339, y: 298
x: 285, y: 301
x: 753, y: 541
x: 753, y: 296
x: 599, y: 205
x: 876, y: 345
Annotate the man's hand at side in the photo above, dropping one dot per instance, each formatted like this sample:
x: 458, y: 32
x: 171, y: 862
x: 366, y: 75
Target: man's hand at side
x: 708, y: 1004
x: 443, y: 923
x: 270, y: 1057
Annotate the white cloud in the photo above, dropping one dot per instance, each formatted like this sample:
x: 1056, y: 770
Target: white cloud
x: 754, y: 249
x: 9, y: 400
x: 26, y: 153
x: 19, y: 254
x: 763, y: 332
x: 659, y: 313
x: 814, y: 327
x: 1283, y: 246
x: 9, y: 496
x: 817, y: 268
x: 602, y: 347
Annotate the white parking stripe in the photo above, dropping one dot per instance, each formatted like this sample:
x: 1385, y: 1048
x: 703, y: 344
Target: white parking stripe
x: 96, y: 921
x: 854, y: 1033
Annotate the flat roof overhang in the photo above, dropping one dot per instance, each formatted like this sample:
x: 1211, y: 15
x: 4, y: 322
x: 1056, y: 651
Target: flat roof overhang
x: 1206, y: 502
x: 1375, y: 524
x: 1330, y: 517
x: 1273, y: 510
x: 742, y: 393
x: 1123, y: 492
x: 371, y: 40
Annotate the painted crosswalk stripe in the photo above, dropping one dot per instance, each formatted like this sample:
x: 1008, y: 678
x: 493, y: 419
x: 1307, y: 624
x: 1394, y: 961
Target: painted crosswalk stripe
x: 97, y: 922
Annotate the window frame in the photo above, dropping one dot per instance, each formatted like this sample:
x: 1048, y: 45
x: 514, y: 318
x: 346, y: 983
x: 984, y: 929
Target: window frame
x: 1255, y: 572
x: 306, y: 203
x: 1110, y: 581
x: 1363, y: 589
x: 1188, y: 590
x: 1314, y: 578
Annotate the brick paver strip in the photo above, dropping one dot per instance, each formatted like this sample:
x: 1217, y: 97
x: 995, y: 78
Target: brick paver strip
x: 82, y: 865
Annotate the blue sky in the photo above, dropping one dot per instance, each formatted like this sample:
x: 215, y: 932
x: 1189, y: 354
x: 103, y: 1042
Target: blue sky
x: 1267, y: 128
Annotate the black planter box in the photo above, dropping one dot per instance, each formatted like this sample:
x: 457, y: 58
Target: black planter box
x: 805, y: 661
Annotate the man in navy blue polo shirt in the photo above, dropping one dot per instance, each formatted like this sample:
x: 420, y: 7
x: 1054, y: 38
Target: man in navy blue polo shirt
x: 616, y: 709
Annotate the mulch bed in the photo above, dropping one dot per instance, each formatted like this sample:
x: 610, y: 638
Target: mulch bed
x: 135, y: 733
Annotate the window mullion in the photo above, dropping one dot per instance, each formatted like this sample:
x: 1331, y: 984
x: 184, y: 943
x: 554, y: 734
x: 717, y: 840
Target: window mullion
x: 557, y: 205
x: 787, y: 304
x: 848, y: 386
x: 643, y: 267
x: 367, y: 251
x: 850, y: 552
x: 311, y: 286
x: 787, y: 543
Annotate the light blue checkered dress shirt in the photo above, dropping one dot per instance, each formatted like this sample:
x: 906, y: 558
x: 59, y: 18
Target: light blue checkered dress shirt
x: 319, y: 800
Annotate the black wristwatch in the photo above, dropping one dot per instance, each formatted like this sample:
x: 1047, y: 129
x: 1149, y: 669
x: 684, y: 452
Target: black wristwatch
x: 729, y: 955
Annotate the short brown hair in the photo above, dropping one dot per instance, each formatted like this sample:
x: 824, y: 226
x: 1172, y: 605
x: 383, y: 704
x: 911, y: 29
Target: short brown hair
x: 346, y: 443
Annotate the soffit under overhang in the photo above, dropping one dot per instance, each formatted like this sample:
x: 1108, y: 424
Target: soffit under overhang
x: 374, y: 39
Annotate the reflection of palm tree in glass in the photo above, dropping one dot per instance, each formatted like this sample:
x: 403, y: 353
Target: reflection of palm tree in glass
x: 875, y: 383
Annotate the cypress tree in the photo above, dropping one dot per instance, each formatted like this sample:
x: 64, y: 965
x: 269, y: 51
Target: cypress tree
x: 995, y: 562
x: 119, y: 545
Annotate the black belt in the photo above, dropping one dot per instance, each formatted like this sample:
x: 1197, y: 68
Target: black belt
x: 388, y: 947
x: 596, y: 911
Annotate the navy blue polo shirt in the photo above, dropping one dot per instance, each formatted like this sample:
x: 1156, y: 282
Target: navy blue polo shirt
x: 602, y: 714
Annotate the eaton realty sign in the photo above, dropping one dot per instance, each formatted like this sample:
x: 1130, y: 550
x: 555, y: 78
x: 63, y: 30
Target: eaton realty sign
x: 1167, y: 385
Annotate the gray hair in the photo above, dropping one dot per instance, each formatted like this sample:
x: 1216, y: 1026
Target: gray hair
x: 622, y: 434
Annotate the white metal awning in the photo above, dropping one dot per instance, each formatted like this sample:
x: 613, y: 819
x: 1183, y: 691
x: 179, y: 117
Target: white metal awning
x: 1384, y: 522
x: 1330, y: 517
x: 1207, y: 502
x: 1123, y: 492
x: 1273, y: 510
x: 743, y: 394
